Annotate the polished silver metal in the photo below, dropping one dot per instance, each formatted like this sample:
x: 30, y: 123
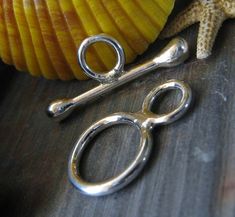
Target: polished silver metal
x: 144, y: 121
x: 173, y: 54
x: 104, y: 77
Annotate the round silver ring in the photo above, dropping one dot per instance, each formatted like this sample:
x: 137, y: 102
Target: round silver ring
x: 125, y: 177
x: 118, y: 68
x: 177, y: 112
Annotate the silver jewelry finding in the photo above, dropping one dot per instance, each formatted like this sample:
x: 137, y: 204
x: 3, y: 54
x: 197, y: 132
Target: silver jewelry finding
x: 144, y: 121
x: 104, y: 77
x: 173, y: 54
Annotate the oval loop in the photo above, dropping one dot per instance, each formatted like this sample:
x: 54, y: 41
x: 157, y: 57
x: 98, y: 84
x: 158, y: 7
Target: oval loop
x: 110, y: 76
x: 177, y: 112
x: 125, y: 177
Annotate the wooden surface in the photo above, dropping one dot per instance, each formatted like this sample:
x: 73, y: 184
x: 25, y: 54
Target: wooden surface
x: 191, y: 171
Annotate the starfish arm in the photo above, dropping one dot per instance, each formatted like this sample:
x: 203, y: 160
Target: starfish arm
x: 228, y: 7
x: 187, y: 17
x: 209, y: 27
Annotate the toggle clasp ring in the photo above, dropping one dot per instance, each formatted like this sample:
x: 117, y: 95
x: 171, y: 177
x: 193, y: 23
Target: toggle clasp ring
x: 144, y: 121
x: 115, y: 183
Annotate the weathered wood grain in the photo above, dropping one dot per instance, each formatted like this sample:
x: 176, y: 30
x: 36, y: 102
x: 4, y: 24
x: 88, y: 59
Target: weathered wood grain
x: 191, y: 171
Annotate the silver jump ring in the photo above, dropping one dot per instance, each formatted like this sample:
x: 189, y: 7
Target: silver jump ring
x: 177, y: 112
x: 118, y: 68
x: 125, y: 177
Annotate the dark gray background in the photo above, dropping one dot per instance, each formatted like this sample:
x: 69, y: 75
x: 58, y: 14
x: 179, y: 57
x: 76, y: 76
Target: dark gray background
x: 191, y: 171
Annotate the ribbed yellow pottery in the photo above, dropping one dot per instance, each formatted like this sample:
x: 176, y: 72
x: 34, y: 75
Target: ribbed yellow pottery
x: 42, y: 36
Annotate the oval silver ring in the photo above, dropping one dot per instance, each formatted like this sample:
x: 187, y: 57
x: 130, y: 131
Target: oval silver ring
x: 111, y: 185
x: 178, y: 111
x: 118, y: 68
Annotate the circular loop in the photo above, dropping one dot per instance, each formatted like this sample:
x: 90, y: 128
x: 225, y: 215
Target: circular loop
x: 118, y: 68
x: 125, y: 177
x: 177, y: 112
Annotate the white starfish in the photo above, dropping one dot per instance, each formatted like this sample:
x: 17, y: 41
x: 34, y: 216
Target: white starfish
x: 211, y: 14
